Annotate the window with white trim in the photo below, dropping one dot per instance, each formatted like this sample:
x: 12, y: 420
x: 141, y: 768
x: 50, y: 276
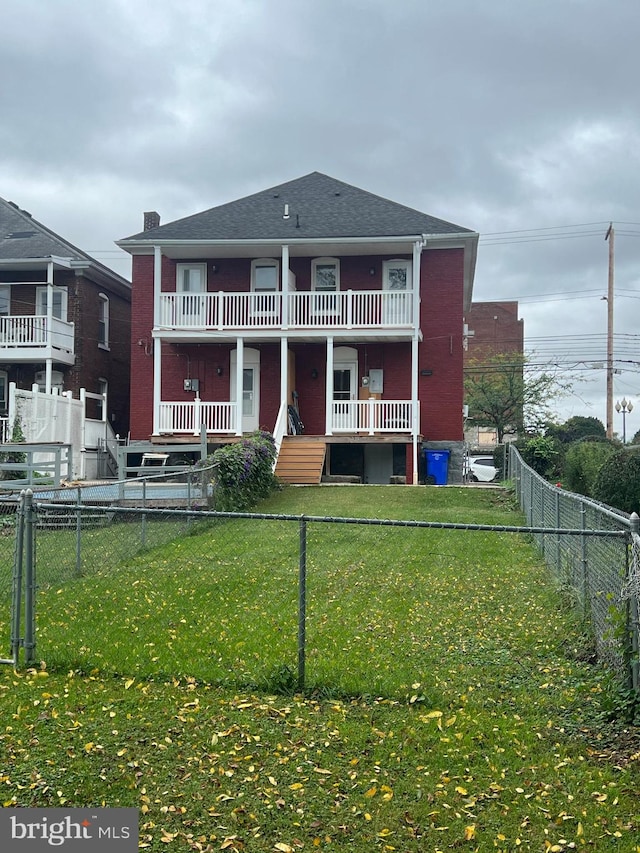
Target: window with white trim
x: 5, y: 300
x: 397, y: 281
x: 103, y: 321
x: 4, y: 386
x: 59, y: 302
x: 264, y: 275
x: 325, y: 275
x: 191, y: 278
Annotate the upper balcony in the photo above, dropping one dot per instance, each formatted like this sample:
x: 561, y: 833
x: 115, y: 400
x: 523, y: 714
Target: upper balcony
x: 28, y: 338
x: 386, y: 313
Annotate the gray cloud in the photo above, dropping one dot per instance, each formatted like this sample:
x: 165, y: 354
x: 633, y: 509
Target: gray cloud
x: 500, y: 116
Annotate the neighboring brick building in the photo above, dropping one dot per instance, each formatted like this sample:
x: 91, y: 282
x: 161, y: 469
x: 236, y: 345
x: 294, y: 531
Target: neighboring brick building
x: 64, y: 318
x: 314, y: 299
x: 494, y: 329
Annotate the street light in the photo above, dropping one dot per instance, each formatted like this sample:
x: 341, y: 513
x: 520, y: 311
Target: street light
x: 626, y: 406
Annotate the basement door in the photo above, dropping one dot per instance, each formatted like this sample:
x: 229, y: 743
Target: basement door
x: 250, y: 388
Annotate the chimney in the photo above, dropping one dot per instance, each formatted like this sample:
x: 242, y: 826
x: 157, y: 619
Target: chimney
x: 151, y: 220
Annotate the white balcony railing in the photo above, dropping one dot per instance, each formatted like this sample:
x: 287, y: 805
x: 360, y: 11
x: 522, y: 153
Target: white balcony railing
x: 368, y: 417
x: 372, y: 416
x: 186, y: 418
x: 34, y: 331
x: 350, y: 309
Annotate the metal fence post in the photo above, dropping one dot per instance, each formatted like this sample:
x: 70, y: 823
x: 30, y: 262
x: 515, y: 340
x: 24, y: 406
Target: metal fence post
x: 79, y: 533
x: 16, y: 593
x: 302, y: 603
x: 584, y: 560
x: 29, y: 579
x: 634, y: 615
x: 143, y: 523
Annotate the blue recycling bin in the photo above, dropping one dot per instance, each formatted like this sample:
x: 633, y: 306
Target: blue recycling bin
x: 437, y: 467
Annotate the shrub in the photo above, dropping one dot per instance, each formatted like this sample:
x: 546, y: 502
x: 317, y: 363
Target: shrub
x: 244, y: 472
x: 582, y: 462
x: 542, y: 454
x: 618, y: 481
x: 15, y: 457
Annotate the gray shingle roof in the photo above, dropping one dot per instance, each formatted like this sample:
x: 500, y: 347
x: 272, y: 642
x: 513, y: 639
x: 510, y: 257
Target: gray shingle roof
x: 319, y: 207
x: 22, y: 237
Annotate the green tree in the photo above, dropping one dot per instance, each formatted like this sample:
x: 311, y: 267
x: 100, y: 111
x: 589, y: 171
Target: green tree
x: 576, y: 428
x: 509, y: 393
x: 618, y: 481
x: 582, y: 463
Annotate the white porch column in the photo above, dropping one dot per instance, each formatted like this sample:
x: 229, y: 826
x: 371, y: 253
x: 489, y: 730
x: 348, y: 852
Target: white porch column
x: 239, y: 385
x: 49, y: 361
x: 157, y: 283
x: 284, y: 370
x: 329, y: 388
x: 157, y: 344
x: 285, y: 287
x: 415, y: 408
x: 157, y: 384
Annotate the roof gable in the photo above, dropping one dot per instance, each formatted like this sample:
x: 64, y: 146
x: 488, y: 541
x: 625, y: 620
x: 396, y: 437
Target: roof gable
x: 315, y: 206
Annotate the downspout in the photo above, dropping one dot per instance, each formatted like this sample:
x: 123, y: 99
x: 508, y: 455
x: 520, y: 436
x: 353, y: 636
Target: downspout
x: 157, y: 344
x: 418, y: 246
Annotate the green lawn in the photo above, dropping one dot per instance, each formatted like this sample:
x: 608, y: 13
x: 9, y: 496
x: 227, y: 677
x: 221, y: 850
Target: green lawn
x: 449, y: 703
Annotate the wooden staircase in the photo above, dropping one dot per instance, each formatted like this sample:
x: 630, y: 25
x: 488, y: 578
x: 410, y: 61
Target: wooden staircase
x: 300, y: 460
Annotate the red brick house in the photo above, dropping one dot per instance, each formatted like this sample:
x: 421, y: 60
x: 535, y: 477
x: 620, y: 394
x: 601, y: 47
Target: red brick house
x: 64, y: 319
x: 311, y: 300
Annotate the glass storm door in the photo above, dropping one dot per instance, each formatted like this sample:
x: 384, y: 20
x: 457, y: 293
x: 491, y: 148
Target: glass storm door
x: 344, y: 392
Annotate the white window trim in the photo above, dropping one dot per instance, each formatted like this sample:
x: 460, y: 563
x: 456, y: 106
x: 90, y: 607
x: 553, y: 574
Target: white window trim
x: 104, y: 316
x: 6, y: 289
x: 393, y: 264
x: 265, y: 262
x: 64, y: 304
x: 180, y: 270
x: 319, y: 262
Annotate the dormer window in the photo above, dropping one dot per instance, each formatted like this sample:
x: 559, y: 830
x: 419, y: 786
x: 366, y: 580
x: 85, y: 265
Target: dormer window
x: 264, y: 275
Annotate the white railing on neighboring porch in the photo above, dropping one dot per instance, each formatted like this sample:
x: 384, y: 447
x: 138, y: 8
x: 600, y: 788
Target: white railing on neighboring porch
x: 34, y: 331
x: 349, y: 309
x: 187, y: 417
x: 372, y: 416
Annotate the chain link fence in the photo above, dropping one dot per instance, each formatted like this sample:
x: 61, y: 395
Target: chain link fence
x: 599, y: 572
x: 145, y: 578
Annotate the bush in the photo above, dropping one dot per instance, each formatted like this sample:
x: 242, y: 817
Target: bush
x: 15, y: 457
x: 542, y: 454
x: 618, y: 481
x: 582, y: 463
x: 244, y: 472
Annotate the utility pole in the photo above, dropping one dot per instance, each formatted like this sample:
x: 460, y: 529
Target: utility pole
x: 610, y: 237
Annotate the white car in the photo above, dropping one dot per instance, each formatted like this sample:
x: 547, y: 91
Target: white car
x: 482, y: 469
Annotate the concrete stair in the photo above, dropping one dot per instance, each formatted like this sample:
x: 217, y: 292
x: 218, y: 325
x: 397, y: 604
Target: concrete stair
x: 300, y: 460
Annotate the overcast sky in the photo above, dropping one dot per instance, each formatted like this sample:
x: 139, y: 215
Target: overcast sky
x: 519, y: 119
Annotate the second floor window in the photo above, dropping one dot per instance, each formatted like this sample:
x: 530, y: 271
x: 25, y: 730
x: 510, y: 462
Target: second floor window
x: 325, y: 274
x: 103, y: 321
x: 191, y: 278
x: 264, y: 275
x: 59, y: 302
x: 5, y: 300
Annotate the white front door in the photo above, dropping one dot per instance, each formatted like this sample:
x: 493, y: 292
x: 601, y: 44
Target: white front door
x: 250, y: 388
